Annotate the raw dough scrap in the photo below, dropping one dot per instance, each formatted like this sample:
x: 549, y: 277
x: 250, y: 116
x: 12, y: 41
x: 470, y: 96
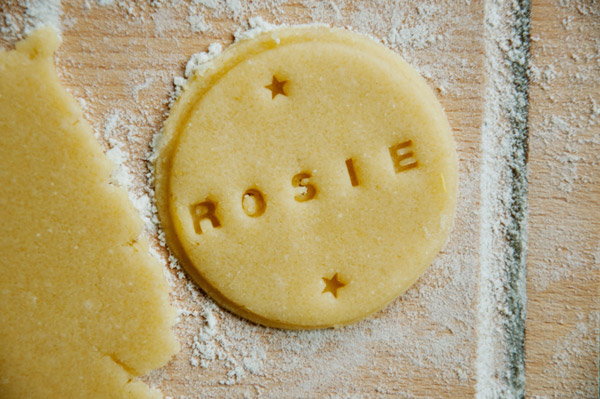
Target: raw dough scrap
x: 83, y: 307
x: 306, y: 178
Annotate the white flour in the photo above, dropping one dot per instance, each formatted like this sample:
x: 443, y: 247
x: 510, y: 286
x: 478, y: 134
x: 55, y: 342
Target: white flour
x: 429, y: 333
x: 33, y: 14
x: 503, y: 238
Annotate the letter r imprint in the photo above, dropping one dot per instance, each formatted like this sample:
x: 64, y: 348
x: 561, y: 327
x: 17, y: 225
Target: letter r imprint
x: 204, y: 210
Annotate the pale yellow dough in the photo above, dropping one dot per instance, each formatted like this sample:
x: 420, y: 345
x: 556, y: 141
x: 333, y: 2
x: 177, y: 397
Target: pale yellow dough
x: 353, y: 170
x: 83, y: 306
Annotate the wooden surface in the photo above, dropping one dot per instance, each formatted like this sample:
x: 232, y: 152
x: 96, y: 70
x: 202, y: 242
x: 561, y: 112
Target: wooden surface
x: 120, y: 61
x: 564, y: 202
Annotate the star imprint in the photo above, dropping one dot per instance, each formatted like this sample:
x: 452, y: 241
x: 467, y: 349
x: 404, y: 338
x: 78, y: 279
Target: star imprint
x: 277, y: 87
x: 332, y: 285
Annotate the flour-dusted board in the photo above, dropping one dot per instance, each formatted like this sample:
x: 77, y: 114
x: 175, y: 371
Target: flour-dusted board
x: 563, y: 286
x: 459, y: 331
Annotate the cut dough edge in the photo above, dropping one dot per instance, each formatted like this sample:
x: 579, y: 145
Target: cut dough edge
x: 146, y: 340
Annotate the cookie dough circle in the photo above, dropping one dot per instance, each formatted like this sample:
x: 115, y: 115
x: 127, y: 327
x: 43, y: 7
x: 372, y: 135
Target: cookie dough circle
x: 307, y: 178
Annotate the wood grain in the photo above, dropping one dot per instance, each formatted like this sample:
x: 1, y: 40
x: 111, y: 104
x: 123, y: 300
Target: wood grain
x: 564, y: 202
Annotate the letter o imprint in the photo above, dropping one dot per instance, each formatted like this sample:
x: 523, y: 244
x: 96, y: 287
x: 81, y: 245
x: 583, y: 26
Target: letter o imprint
x: 253, y: 203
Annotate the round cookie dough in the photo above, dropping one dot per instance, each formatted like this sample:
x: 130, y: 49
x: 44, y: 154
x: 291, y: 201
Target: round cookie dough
x: 306, y: 178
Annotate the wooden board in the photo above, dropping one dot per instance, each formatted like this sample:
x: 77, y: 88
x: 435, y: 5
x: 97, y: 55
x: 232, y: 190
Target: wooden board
x: 564, y: 202
x: 119, y: 60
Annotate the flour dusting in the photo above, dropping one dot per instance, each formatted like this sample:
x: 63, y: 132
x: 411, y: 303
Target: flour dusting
x: 455, y: 331
x: 33, y: 14
x: 503, y: 235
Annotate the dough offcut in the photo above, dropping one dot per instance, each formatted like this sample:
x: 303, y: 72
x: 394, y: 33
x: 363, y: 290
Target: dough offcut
x: 83, y: 306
